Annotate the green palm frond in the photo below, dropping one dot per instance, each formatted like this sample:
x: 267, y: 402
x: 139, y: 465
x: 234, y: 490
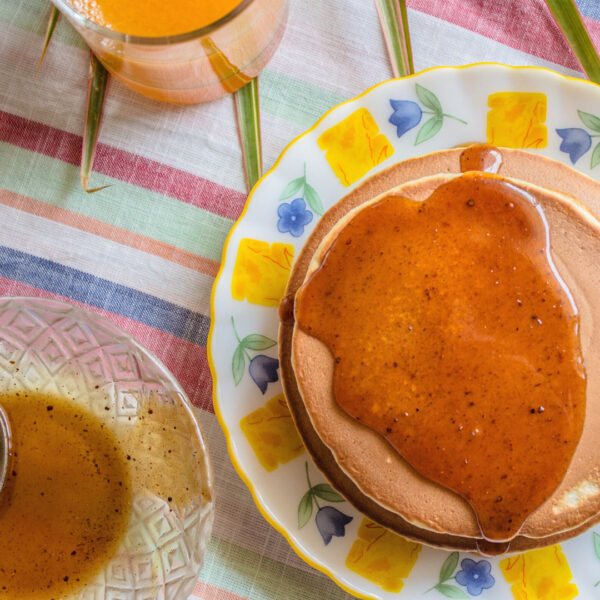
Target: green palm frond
x: 52, y: 23
x: 248, y: 116
x: 394, y: 23
x: 97, y: 86
x: 569, y: 20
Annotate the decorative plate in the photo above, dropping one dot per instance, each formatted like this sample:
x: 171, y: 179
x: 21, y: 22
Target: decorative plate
x: 437, y: 109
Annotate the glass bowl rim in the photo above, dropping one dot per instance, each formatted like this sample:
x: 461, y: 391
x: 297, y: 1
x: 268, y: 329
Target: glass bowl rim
x: 95, y: 318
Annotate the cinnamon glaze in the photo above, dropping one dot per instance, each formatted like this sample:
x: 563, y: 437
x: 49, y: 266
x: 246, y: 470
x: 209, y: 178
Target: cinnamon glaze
x: 454, y: 337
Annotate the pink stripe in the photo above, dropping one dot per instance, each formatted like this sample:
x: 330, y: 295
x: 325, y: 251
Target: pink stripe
x: 205, y: 591
x: 188, y: 362
x: 526, y: 26
x: 122, y: 165
x: 110, y: 232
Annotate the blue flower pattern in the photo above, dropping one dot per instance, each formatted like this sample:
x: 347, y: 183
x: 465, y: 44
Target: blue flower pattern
x: 407, y: 114
x: 475, y: 576
x: 577, y: 141
x: 293, y: 217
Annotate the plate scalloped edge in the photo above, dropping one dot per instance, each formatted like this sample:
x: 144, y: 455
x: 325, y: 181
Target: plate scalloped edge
x: 345, y: 581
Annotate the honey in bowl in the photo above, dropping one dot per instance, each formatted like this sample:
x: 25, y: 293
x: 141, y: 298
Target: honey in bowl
x: 66, y: 503
x: 455, y: 339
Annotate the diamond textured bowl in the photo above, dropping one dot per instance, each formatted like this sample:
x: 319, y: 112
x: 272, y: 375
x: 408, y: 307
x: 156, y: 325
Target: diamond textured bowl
x: 58, y: 349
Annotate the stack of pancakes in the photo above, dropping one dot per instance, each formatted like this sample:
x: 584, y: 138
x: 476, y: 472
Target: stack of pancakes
x: 359, y: 462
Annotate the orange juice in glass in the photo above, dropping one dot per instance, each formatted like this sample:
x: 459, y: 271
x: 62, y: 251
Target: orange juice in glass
x: 182, y: 51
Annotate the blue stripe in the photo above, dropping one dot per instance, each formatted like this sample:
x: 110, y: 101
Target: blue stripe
x: 589, y: 8
x: 104, y: 294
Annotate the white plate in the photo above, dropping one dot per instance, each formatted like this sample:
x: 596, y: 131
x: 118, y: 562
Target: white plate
x: 437, y: 109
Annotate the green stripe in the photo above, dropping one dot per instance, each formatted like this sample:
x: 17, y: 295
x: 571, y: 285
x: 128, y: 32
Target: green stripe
x: 251, y: 575
x: 33, y: 15
x: 123, y: 205
x: 293, y: 100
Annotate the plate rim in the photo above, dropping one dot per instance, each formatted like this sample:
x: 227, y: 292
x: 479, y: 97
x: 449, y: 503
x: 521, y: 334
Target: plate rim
x: 264, y: 511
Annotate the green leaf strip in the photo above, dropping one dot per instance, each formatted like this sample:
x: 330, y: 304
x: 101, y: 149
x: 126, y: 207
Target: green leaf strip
x: 597, y: 545
x: 291, y: 188
x: 589, y: 120
x: 595, y: 156
x: 305, y: 509
x: 327, y: 493
x: 451, y: 591
x: 52, y: 23
x: 429, y: 99
x: 248, y: 118
x: 448, y: 567
x: 312, y: 199
x: 394, y: 24
x: 238, y: 364
x: 97, y: 87
x: 429, y: 129
x: 567, y: 16
x: 255, y: 341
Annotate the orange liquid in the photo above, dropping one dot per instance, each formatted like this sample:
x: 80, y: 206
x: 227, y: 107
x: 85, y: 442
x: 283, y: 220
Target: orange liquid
x: 154, y: 18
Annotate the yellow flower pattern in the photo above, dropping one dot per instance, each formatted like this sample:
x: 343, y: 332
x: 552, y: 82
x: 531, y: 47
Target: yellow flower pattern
x: 541, y: 574
x: 272, y: 434
x: 382, y: 557
x: 355, y: 146
x: 261, y: 271
x: 516, y: 120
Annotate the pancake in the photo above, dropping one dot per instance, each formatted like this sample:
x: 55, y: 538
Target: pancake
x: 392, y: 493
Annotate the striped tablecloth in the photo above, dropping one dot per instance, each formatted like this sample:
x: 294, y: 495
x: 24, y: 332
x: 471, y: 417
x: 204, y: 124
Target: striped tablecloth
x: 144, y: 251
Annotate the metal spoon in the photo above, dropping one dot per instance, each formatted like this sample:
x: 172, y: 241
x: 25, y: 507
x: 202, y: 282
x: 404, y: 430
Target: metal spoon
x: 4, y: 446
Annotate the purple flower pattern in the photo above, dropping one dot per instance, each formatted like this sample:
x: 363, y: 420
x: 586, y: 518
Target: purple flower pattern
x: 330, y: 521
x: 261, y: 368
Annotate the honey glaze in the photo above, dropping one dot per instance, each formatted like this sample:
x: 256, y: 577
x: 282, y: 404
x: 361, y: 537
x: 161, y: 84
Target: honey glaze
x: 454, y: 337
x: 66, y: 503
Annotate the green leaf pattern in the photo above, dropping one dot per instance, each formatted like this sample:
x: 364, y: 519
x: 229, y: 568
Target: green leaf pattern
x: 253, y: 342
x: 429, y: 129
x: 596, y: 538
x: 321, y: 490
x: 301, y: 187
x: 429, y: 99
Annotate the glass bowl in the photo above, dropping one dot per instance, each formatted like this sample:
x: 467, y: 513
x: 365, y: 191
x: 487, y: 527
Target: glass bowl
x: 52, y: 349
